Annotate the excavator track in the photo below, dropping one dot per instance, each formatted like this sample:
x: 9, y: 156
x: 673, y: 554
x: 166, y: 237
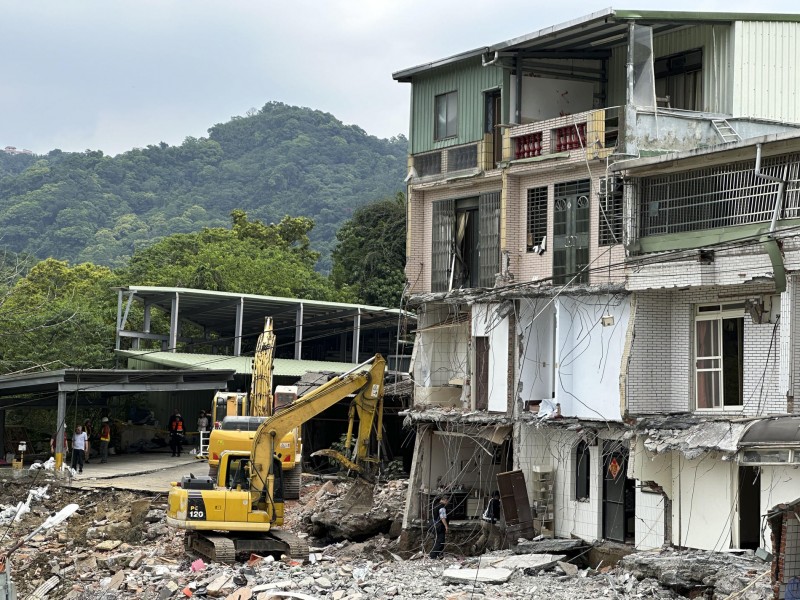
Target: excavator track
x: 297, y: 547
x: 217, y: 548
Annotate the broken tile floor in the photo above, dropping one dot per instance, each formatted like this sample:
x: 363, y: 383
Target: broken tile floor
x: 118, y: 546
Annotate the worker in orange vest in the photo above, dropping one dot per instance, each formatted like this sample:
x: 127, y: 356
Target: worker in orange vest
x: 105, y: 439
x: 176, y: 433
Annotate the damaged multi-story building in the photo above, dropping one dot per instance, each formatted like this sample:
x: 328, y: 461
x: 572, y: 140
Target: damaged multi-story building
x: 602, y: 250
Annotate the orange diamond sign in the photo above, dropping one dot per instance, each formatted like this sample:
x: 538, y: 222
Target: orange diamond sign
x: 614, y: 468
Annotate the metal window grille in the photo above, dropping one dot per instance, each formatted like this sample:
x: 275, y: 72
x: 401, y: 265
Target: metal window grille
x: 571, y: 232
x: 428, y: 164
x: 610, y: 219
x: 462, y: 157
x: 537, y: 216
x: 489, y: 236
x: 719, y: 196
x: 442, y: 239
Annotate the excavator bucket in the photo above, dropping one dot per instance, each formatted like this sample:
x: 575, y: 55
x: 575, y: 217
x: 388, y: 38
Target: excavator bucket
x: 358, y: 499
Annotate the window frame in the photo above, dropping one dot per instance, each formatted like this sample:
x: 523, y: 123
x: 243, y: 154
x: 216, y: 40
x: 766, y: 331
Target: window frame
x: 536, y: 228
x: 443, y: 101
x: 582, y: 471
x: 718, y: 312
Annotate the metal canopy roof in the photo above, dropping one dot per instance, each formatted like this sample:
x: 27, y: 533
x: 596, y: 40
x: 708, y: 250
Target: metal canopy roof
x: 781, y: 431
x: 592, y: 36
x: 108, y: 381
x: 217, y: 311
x: 242, y: 365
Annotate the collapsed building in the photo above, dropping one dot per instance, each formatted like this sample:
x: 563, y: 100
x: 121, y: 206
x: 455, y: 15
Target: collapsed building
x: 602, y: 249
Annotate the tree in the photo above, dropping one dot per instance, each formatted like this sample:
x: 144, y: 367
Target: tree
x: 370, y: 255
x: 250, y: 258
x: 58, y: 316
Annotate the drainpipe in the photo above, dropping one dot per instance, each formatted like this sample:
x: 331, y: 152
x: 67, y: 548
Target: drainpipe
x: 488, y: 63
x: 768, y: 239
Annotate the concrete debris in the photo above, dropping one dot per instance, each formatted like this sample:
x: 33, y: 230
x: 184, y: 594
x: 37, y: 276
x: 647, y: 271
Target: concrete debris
x: 329, y: 516
x: 550, y: 546
x: 131, y: 557
x: 717, y: 574
x: 483, y: 575
x: 690, y: 435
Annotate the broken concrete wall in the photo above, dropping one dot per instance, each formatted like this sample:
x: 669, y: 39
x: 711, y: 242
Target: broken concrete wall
x: 568, y: 357
x: 454, y: 458
x: 778, y: 485
x: 488, y: 322
x: 539, y: 444
x: 653, y: 473
x: 704, y: 510
x: 441, y: 355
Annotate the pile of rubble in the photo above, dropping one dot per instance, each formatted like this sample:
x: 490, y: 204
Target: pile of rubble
x: 118, y: 546
x: 333, y: 515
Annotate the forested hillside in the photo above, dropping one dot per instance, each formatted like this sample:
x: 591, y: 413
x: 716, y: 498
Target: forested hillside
x: 278, y: 161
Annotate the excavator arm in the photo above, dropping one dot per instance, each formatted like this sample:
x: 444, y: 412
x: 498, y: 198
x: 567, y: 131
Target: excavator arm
x: 261, y: 386
x: 366, y: 381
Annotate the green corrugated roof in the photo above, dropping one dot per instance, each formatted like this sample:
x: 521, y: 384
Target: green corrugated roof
x: 283, y: 367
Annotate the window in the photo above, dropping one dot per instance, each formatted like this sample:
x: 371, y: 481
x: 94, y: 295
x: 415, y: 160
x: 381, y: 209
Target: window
x: 428, y: 164
x: 465, y: 242
x: 446, y: 116
x: 571, y: 232
x: 462, y: 157
x: 680, y: 77
x: 582, y: 471
x: 610, y: 223
x: 719, y: 356
x: 537, y: 217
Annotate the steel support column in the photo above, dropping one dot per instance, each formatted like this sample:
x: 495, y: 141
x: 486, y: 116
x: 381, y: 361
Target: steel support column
x: 298, y: 333
x: 119, y: 319
x: 356, y: 335
x: 237, y: 334
x: 60, y: 429
x: 173, y: 322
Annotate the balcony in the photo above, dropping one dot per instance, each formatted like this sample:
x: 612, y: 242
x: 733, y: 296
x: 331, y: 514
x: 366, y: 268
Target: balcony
x: 595, y: 131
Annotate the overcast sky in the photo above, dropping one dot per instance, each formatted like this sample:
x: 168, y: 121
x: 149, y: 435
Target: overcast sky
x: 117, y: 74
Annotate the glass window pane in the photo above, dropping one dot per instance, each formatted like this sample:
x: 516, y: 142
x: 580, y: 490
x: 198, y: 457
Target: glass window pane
x: 732, y: 360
x: 452, y: 114
x: 707, y: 338
x: 708, y: 389
x: 441, y: 117
x: 707, y: 363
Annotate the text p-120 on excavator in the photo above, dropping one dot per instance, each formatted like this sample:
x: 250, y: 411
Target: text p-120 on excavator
x: 242, y: 511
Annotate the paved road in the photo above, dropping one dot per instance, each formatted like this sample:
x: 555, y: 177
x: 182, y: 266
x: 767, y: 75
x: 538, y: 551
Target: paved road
x: 149, y: 472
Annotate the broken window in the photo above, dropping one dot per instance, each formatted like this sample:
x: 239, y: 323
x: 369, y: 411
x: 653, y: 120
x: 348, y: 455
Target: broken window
x: 679, y: 78
x: 537, y: 218
x: 446, y: 106
x: 571, y: 232
x: 465, y: 242
x: 582, y: 471
x: 719, y: 356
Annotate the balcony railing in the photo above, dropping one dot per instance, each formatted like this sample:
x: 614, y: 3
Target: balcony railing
x: 595, y: 131
x: 720, y: 196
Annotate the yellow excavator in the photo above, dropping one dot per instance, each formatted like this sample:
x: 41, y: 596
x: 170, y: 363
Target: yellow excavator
x: 243, y: 413
x: 242, y: 511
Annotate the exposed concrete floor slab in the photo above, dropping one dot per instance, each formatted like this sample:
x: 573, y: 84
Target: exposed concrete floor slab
x: 484, y: 575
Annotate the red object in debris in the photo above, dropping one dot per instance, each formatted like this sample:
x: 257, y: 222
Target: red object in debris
x: 187, y: 592
x: 254, y: 560
x: 198, y: 565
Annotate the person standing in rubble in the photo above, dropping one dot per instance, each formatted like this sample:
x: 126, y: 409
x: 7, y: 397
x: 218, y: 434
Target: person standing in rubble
x: 176, y: 429
x: 79, y: 443
x: 440, y: 526
x: 105, y: 439
x: 490, y: 534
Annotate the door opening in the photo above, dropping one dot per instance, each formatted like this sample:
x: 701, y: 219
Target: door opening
x: 749, y: 507
x: 619, y: 494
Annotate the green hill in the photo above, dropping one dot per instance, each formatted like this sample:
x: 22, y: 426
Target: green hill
x: 282, y: 160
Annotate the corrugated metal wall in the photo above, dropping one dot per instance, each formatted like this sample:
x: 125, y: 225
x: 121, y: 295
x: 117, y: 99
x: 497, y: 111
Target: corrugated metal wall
x: 717, y: 44
x: 470, y: 80
x: 767, y: 71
